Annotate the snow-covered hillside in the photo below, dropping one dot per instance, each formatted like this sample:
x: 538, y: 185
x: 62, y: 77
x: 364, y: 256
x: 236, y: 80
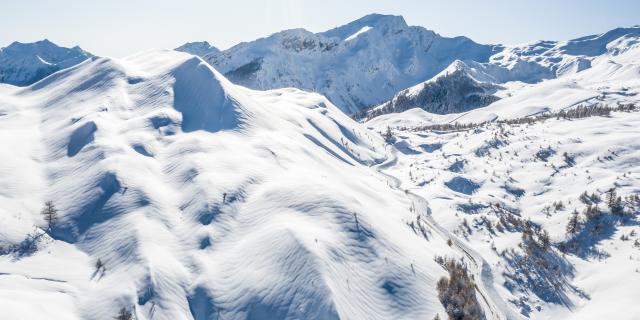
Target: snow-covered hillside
x: 510, y: 191
x: 25, y: 63
x: 183, y: 196
x: 357, y: 65
x: 199, y: 49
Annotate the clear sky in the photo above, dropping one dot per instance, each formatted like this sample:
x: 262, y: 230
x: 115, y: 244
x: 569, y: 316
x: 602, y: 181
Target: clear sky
x: 121, y: 27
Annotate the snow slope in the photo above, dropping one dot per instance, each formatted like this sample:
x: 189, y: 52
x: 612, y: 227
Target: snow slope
x: 358, y: 65
x: 203, y: 200
x: 25, y: 63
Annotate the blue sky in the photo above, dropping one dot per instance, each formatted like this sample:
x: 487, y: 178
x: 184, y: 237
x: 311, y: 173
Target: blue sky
x: 118, y: 27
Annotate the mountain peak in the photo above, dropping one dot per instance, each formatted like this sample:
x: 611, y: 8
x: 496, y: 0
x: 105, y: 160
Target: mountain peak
x: 26, y: 63
x: 376, y: 19
x: 373, y: 21
x: 199, y: 48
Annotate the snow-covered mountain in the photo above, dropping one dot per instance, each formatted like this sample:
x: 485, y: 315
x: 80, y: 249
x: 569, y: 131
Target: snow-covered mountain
x: 613, y: 77
x: 183, y: 196
x: 199, y: 49
x: 468, y: 85
x: 457, y: 88
x: 357, y: 65
x: 370, y: 61
x: 22, y: 64
x: 501, y: 182
x: 559, y: 58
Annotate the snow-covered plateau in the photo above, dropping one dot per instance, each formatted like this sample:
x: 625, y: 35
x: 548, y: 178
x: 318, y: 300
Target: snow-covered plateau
x: 478, y: 181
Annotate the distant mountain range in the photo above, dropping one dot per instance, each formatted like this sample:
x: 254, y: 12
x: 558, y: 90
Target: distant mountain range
x: 22, y: 64
x: 365, y: 64
x: 358, y: 65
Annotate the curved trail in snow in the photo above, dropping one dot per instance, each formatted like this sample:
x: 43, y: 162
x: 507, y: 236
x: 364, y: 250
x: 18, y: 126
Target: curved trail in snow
x: 493, y: 305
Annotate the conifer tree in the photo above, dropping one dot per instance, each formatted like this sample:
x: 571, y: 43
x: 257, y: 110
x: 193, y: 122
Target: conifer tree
x: 50, y: 214
x: 573, y: 226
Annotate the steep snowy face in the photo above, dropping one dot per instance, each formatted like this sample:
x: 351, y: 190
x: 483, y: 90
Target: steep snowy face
x: 22, y: 64
x: 357, y: 65
x: 199, y: 49
x: 183, y: 196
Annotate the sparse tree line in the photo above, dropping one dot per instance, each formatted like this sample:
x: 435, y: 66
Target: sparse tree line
x: 535, y: 265
x: 575, y: 113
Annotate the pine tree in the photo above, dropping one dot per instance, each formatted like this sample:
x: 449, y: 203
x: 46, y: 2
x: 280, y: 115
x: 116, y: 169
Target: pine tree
x: 388, y: 136
x: 584, y: 198
x: 545, y: 240
x: 592, y: 213
x: 50, y: 214
x: 574, y: 224
x: 611, y: 199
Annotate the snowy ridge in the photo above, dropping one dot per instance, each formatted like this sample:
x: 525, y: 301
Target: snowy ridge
x: 564, y: 57
x: 202, y: 199
x: 383, y: 52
